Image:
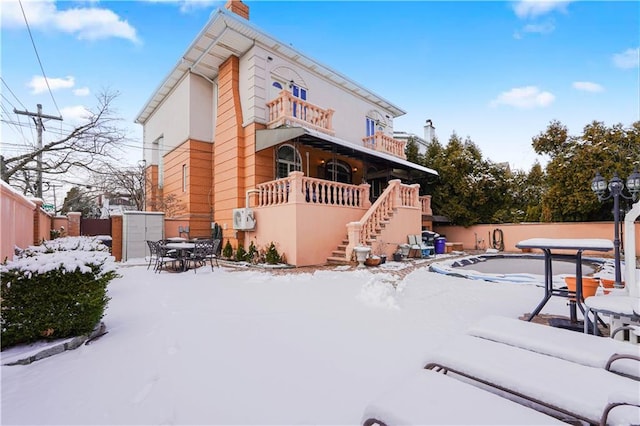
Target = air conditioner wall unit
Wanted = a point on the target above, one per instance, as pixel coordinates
(243, 219)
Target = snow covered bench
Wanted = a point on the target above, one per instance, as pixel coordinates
(427, 397)
(617, 356)
(564, 387)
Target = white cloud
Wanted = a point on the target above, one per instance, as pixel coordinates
(534, 8)
(587, 86)
(630, 58)
(524, 97)
(81, 91)
(38, 84)
(87, 23)
(75, 114)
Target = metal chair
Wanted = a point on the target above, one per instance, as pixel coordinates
(164, 257)
(153, 252)
(204, 250)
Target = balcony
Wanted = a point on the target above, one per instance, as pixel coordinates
(383, 143)
(287, 110)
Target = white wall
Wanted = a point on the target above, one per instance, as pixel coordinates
(201, 109)
(255, 85)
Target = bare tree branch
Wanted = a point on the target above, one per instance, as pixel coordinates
(88, 147)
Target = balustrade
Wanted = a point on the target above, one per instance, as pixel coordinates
(287, 109)
(383, 143)
(300, 189)
(395, 195)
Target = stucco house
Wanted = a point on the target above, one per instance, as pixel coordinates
(248, 132)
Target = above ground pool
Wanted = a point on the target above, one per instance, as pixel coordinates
(513, 268)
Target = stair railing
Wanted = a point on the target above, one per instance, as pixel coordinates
(359, 233)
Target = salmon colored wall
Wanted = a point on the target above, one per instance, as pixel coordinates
(513, 233)
(305, 233)
(42, 222)
(16, 221)
(405, 222)
(229, 149)
(59, 222)
(172, 182)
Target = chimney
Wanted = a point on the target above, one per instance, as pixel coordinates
(429, 131)
(237, 7)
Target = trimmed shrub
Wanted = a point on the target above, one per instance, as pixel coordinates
(272, 256)
(227, 251)
(55, 290)
(252, 253)
(241, 254)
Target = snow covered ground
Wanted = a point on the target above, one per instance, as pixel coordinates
(253, 347)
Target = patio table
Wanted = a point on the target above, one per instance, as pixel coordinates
(176, 239)
(577, 246)
(183, 250)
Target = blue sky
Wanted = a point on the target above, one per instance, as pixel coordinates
(497, 72)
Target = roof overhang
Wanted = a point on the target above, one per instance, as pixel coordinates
(228, 34)
(271, 137)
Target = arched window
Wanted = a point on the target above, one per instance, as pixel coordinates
(338, 171)
(287, 160)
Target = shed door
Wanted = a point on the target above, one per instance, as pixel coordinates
(136, 236)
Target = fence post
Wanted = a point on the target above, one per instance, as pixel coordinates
(116, 237)
(74, 224)
(36, 221)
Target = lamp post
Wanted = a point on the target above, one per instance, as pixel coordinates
(616, 190)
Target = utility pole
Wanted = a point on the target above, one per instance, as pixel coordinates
(37, 118)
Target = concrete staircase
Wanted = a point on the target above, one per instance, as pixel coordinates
(339, 256)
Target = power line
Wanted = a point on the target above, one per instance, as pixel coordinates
(38, 56)
(11, 91)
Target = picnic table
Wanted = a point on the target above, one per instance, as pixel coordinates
(575, 246)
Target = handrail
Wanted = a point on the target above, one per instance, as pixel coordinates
(298, 188)
(287, 109)
(395, 195)
(378, 212)
(384, 143)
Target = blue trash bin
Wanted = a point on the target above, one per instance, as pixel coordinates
(440, 245)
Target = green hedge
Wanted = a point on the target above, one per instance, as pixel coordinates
(54, 291)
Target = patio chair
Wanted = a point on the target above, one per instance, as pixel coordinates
(613, 355)
(557, 386)
(415, 246)
(165, 257)
(204, 250)
(153, 252)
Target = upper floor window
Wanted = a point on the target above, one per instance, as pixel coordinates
(288, 160)
(371, 127)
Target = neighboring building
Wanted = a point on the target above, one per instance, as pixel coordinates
(245, 120)
(429, 135)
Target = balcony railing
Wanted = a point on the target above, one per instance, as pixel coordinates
(297, 188)
(425, 200)
(286, 110)
(383, 143)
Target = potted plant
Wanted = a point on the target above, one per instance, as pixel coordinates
(373, 260)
